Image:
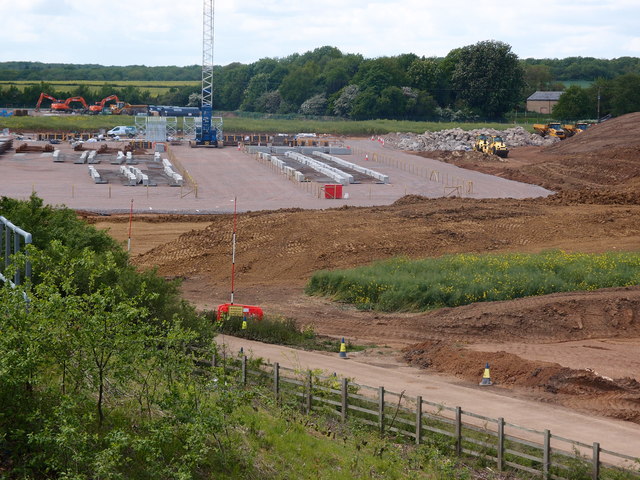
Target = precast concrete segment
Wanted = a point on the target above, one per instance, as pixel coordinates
(224, 173)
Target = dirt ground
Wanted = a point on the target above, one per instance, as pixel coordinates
(576, 349)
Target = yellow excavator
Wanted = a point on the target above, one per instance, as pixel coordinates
(552, 129)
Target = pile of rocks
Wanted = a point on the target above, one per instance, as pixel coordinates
(458, 139)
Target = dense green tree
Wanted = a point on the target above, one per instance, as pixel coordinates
(258, 85)
(574, 104)
(488, 78)
(231, 85)
(300, 84)
(626, 94)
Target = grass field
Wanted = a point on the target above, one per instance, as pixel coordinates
(232, 124)
(401, 284)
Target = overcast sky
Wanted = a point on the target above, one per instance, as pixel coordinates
(169, 32)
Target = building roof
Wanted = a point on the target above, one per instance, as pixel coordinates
(552, 96)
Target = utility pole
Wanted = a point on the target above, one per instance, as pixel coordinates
(598, 105)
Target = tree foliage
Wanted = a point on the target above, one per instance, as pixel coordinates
(97, 381)
(488, 78)
(485, 80)
(575, 103)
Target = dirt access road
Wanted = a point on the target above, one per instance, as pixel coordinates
(564, 349)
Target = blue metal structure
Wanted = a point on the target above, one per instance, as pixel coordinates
(208, 133)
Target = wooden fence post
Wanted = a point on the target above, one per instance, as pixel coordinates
(418, 419)
(595, 475)
(381, 409)
(276, 381)
(344, 400)
(546, 455)
(244, 370)
(500, 448)
(458, 430)
(309, 391)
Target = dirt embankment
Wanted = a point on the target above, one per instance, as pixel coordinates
(597, 209)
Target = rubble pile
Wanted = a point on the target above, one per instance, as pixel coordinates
(458, 139)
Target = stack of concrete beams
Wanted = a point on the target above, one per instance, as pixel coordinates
(275, 150)
(366, 171)
(290, 172)
(6, 143)
(333, 173)
(95, 175)
(129, 175)
(83, 157)
(176, 178)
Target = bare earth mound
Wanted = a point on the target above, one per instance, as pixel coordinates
(596, 210)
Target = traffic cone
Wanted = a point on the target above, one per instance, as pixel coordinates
(343, 349)
(486, 376)
(366, 158)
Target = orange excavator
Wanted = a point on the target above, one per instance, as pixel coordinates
(59, 105)
(54, 101)
(68, 101)
(99, 106)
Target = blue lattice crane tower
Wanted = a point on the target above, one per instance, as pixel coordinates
(210, 132)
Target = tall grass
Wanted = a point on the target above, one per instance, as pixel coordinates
(245, 125)
(401, 284)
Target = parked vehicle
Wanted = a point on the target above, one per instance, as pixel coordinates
(123, 131)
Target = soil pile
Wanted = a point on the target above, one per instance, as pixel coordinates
(545, 381)
(602, 159)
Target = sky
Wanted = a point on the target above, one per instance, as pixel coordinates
(169, 32)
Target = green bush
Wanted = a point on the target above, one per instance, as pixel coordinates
(401, 284)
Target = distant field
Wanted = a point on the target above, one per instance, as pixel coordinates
(154, 87)
(579, 83)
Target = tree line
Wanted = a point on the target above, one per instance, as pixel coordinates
(476, 82)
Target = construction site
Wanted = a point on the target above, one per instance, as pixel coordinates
(304, 203)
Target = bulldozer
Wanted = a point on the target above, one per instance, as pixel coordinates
(571, 129)
(552, 129)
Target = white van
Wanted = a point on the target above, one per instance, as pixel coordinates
(123, 131)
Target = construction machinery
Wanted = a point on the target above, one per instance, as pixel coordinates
(552, 129)
(124, 108)
(578, 127)
(61, 106)
(481, 142)
(54, 101)
(98, 107)
(496, 146)
(210, 129)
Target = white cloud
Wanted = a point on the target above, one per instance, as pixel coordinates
(163, 32)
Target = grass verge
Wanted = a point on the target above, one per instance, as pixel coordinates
(88, 123)
(402, 284)
(281, 331)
